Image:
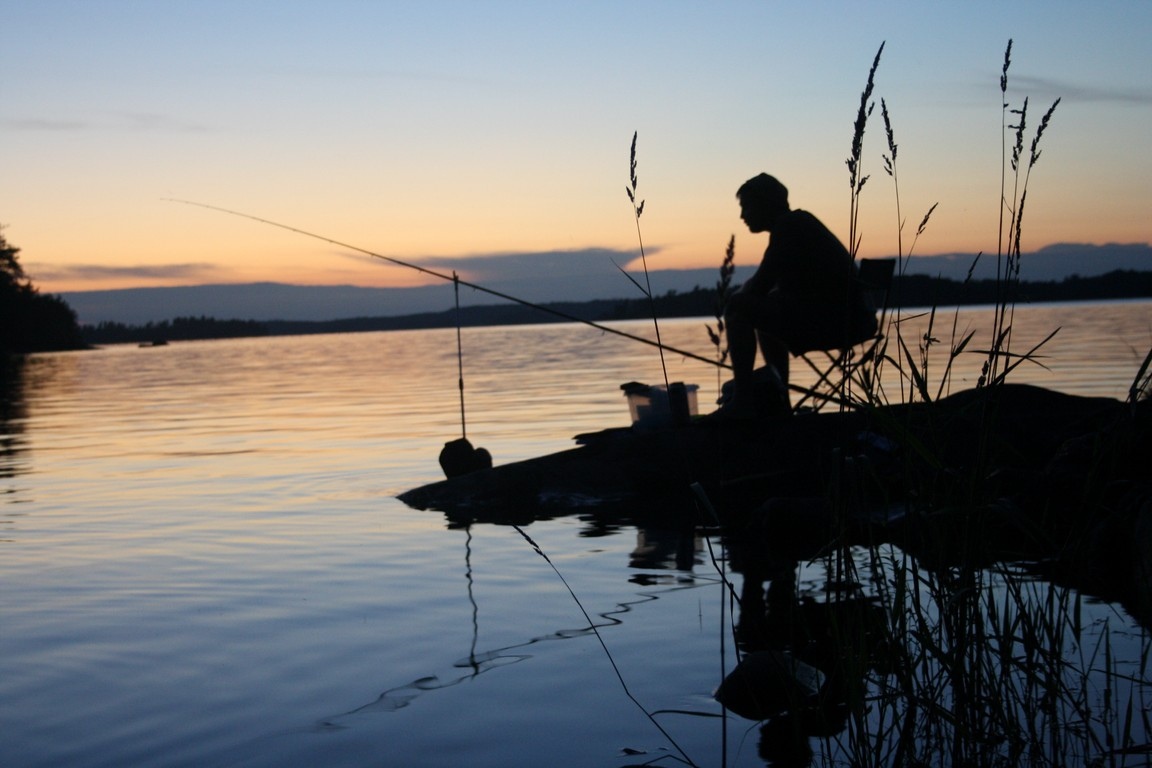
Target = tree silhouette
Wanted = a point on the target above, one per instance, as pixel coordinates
(30, 321)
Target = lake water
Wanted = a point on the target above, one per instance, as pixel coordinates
(202, 562)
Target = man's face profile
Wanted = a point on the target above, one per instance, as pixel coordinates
(755, 214)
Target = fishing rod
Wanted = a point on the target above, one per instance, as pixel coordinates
(453, 279)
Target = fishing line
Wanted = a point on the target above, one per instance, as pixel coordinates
(443, 276)
(603, 645)
(459, 457)
(460, 357)
(472, 599)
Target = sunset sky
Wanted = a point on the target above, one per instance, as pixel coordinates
(438, 131)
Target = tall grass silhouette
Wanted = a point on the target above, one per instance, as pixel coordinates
(983, 664)
(723, 292)
(980, 663)
(646, 289)
(1014, 179)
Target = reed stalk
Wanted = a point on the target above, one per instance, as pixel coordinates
(723, 292)
(919, 376)
(1015, 174)
(1141, 386)
(638, 210)
(856, 177)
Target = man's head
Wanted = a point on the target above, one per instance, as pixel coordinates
(763, 199)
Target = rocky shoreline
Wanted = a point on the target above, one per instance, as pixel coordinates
(1011, 473)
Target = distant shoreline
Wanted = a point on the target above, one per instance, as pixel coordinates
(908, 291)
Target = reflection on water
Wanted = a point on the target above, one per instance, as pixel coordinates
(13, 443)
(11, 404)
(208, 566)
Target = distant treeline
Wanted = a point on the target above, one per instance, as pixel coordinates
(907, 291)
(924, 291)
(178, 329)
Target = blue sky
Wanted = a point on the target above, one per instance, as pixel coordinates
(453, 130)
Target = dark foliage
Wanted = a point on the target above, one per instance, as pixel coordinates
(31, 321)
(923, 291)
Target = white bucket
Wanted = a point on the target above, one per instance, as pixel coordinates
(652, 408)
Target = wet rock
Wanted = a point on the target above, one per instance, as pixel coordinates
(768, 683)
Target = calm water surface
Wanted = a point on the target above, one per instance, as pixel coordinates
(202, 562)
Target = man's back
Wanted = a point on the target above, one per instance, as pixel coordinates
(808, 260)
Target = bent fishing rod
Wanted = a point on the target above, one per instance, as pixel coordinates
(452, 279)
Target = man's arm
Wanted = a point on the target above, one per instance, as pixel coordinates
(766, 275)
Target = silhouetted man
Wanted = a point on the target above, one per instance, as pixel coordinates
(804, 296)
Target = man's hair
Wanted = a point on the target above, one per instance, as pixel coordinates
(763, 189)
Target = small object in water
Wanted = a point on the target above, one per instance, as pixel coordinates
(767, 683)
(459, 458)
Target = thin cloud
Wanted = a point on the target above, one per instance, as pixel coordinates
(1050, 89)
(543, 264)
(1043, 90)
(149, 122)
(344, 75)
(156, 122)
(46, 125)
(62, 272)
(534, 265)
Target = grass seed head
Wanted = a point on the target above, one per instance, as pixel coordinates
(1004, 70)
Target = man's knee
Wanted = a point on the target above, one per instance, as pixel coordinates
(758, 310)
(739, 309)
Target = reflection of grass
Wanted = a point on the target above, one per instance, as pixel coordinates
(982, 668)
